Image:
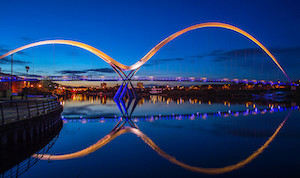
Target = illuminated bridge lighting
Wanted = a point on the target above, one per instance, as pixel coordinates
(148, 56)
(136, 78)
(197, 115)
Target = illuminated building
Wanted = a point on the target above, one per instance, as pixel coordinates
(140, 85)
(103, 85)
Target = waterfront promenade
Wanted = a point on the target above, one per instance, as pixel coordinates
(16, 110)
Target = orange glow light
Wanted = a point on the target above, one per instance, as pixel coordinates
(148, 56)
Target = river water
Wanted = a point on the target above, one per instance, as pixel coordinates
(173, 138)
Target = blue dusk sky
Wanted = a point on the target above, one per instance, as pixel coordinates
(127, 30)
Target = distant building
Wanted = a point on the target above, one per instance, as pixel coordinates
(155, 91)
(5, 84)
(103, 85)
(140, 85)
(17, 83)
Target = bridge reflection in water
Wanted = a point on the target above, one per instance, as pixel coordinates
(126, 125)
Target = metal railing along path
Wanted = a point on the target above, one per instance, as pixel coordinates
(15, 110)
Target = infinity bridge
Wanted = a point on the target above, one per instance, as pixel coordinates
(120, 68)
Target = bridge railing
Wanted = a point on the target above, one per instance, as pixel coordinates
(15, 110)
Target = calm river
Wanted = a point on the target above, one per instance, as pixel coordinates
(173, 138)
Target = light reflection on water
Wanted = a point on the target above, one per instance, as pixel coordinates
(120, 130)
(213, 141)
(81, 105)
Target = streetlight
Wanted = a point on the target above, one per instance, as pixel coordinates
(11, 75)
(27, 68)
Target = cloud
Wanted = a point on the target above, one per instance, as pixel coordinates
(15, 61)
(197, 56)
(42, 71)
(4, 49)
(281, 53)
(75, 72)
(31, 75)
(248, 60)
(72, 53)
(26, 39)
(170, 59)
(71, 72)
(25, 74)
(217, 52)
(160, 61)
(102, 70)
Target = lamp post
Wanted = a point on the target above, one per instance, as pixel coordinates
(27, 82)
(27, 68)
(11, 75)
